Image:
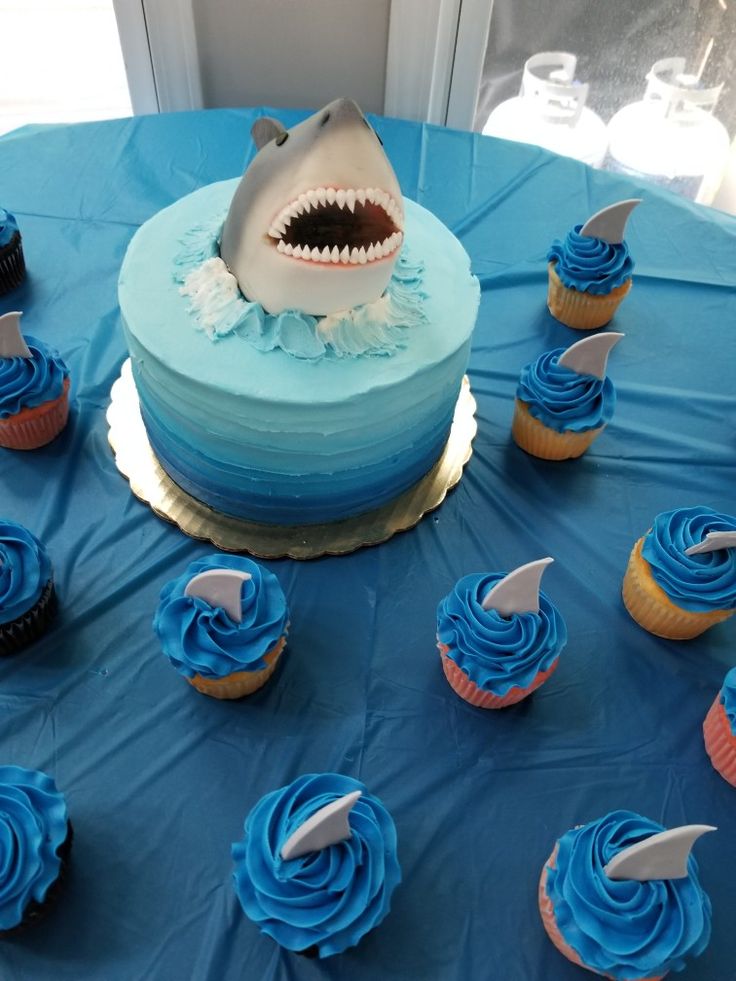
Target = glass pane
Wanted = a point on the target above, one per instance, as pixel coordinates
(671, 125)
(61, 62)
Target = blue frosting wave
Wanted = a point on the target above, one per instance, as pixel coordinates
(332, 897)
(563, 399)
(623, 928)
(589, 264)
(33, 824)
(8, 227)
(25, 570)
(497, 652)
(28, 382)
(728, 698)
(698, 583)
(204, 640)
(219, 308)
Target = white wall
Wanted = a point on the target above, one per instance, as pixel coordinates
(300, 53)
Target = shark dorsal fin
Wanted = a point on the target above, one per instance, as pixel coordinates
(609, 224)
(518, 592)
(590, 356)
(12, 344)
(325, 827)
(265, 129)
(220, 587)
(661, 856)
(712, 542)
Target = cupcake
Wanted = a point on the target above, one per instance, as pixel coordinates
(634, 923)
(678, 582)
(12, 263)
(35, 840)
(564, 399)
(317, 865)
(34, 389)
(719, 730)
(223, 625)
(27, 598)
(590, 271)
(499, 636)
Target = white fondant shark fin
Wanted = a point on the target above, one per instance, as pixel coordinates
(590, 356)
(12, 344)
(609, 224)
(712, 542)
(662, 856)
(325, 827)
(220, 587)
(265, 129)
(518, 592)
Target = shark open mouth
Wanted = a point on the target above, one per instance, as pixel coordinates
(340, 226)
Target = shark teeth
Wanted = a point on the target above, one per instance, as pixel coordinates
(344, 198)
(346, 257)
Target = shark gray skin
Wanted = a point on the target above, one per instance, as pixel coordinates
(316, 223)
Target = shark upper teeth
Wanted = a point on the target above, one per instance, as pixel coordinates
(343, 197)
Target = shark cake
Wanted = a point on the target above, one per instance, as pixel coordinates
(299, 334)
(317, 221)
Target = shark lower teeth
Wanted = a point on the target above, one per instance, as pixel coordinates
(346, 256)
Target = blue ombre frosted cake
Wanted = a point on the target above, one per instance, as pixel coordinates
(299, 337)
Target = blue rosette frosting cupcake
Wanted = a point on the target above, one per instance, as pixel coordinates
(564, 399)
(35, 840)
(678, 583)
(12, 261)
(321, 901)
(494, 656)
(27, 597)
(621, 927)
(590, 270)
(225, 644)
(34, 388)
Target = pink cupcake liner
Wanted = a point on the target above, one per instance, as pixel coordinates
(720, 742)
(465, 688)
(35, 427)
(547, 912)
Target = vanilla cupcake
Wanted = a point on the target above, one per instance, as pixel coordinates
(623, 915)
(499, 636)
(12, 262)
(719, 730)
(564, 399)
(27, 597)
(223, 625)
(681, 576)
(35, 841)
(317, 864)
(34, 389)
(590, 271)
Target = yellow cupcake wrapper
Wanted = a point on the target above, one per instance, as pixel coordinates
(239, 683)
(581, 310)
(653, 610)
(543, 441)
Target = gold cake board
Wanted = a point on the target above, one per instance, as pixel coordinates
(137, 462)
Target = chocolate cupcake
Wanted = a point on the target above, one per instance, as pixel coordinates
(27, 597)
(12, 262)
(35, 841)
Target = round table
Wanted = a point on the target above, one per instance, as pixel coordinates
(159, 778)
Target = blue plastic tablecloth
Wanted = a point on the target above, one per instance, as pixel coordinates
(159, 778)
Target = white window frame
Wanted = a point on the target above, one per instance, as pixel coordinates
(159, 48)
(436, 50)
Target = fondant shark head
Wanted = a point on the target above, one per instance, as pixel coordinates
(316, 223)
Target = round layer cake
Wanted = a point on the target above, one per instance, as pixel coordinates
(288, 418)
